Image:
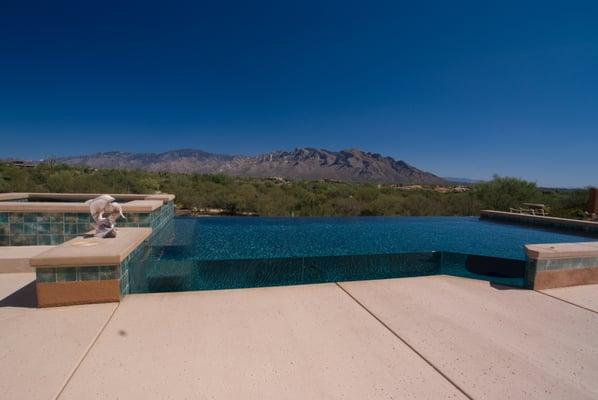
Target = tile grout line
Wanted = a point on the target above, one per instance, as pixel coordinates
(68, 380)
(405, 342)
(566, 301)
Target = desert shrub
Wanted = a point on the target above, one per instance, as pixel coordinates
(501, 193)
(285, 198)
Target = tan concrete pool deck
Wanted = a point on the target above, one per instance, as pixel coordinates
(431, 337)
(18, 258)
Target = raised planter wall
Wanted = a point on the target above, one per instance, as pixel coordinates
(564, 264)
(84, 271)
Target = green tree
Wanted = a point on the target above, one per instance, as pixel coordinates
(501, 193)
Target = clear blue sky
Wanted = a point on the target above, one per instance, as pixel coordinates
(462, 89)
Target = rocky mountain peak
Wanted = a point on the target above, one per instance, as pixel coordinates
(353, 165)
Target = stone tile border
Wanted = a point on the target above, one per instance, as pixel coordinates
(77, 274)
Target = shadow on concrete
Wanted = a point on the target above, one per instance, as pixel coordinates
(24, 297)
(498, 286)
(495, 267)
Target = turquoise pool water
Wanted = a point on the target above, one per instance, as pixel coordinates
(230, 252)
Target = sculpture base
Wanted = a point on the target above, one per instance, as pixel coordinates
(107, 234)
(105, 229)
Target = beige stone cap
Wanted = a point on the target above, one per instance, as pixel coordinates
(142, 205)
(93, 251)
(161, 196)
(50, 207)
(564, 221)
(561, 250)
(13, 196)
(85, 196)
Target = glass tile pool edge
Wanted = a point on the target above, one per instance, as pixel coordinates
(186, 275)
(229, 252)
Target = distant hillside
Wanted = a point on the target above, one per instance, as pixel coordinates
(303, 163)
(465, 181)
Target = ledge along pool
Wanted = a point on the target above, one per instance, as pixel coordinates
(238, 252)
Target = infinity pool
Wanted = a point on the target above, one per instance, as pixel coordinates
(231, 252)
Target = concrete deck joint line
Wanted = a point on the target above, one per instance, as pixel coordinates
(566, 301)
(68, 379)
(405, 342)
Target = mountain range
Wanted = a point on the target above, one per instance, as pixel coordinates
(350, 165)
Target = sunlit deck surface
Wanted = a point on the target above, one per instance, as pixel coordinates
(431, 337)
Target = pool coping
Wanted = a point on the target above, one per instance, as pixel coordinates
(83, 196)
(554, 222)
(561, 250)
(75, 202)
(93, 251)
(137, 206)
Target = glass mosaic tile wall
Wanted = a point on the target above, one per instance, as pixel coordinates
(161, 216)
(164, 270)
(125, 267)
(77, 274)
(31, 229)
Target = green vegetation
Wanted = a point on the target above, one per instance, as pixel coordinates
(299, 198)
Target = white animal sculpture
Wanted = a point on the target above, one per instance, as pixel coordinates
(105, 211)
